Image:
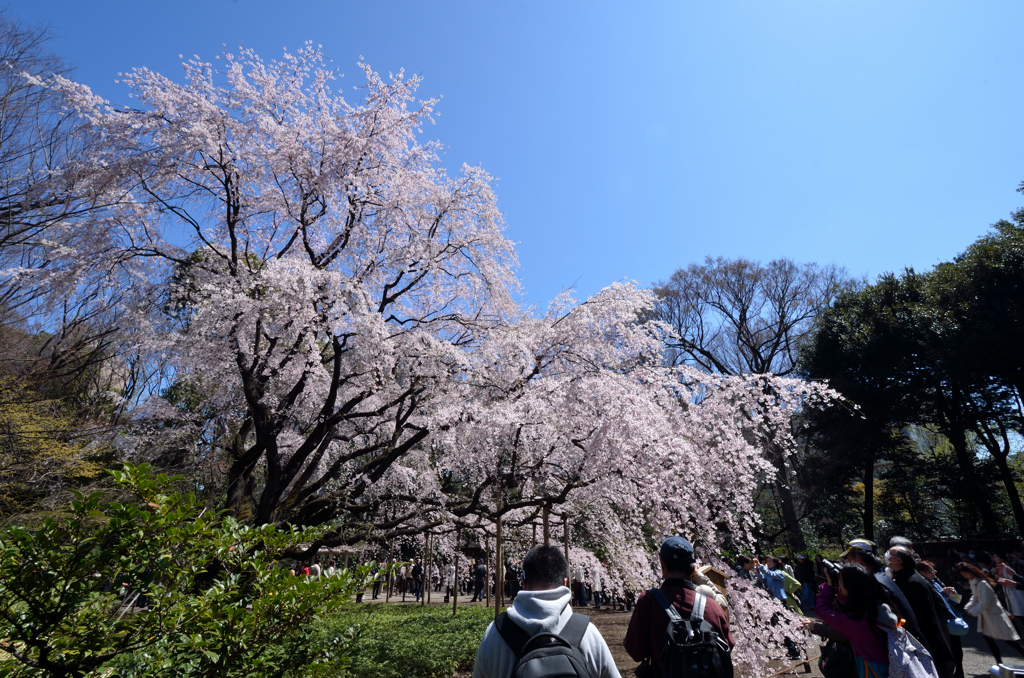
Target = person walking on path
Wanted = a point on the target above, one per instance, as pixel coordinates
(543, 606)
(449, 581)
(479, 576)
(993, 623)
(647, 631)
(417, 578)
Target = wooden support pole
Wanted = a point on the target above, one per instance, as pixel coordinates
(565, 538)
(534, 535)
(425, 576)
(391, 571)
(455, 581)
(547, 524)
(499, 572)
(486, 569)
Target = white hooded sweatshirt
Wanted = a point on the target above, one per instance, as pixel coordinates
(536, 612)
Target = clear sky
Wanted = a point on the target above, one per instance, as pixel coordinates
(631, 138)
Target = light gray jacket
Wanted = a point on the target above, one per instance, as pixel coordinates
(536, 612)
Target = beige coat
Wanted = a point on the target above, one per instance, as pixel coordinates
(708, 588)
(992, 618)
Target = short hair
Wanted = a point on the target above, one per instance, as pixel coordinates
(742, 560)
(925, 566)
(906, 558)
(545, 566)
(901, 541)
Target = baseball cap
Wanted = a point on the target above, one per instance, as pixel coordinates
(677, 551)
(861, 545)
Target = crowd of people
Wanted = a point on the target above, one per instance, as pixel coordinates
(863, 598)
(855, 605)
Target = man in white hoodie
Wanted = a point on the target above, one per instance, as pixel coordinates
(543, 606)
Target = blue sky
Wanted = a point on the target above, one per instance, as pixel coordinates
(632, 138)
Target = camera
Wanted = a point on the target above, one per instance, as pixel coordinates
(831, 571)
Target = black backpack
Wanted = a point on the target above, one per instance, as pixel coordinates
(546, 655)
(693, 649)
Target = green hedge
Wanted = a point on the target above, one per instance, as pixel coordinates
(396, 641)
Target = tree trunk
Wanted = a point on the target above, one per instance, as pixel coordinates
(1011, 491)
(789, 516)
(240, 491)
(869, 500)
(973, 492)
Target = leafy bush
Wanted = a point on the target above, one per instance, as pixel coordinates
(399, 641)
(217, 604)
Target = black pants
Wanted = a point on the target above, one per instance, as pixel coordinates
(994, 649)
(478, 589)
(958, 655)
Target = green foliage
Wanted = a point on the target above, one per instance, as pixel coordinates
(218, 605)
(937, 351)
(396, 641)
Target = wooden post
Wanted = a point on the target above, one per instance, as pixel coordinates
(431, 549)
(455, 581)
(499, 573)
(487, 571)
(547, 525)
(425, 577)
(534, 534)
(565, 538)
(391, 572)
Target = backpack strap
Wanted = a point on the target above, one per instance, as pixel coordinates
(669, 608)
(575, 629)
(699, 600)
(513, 635)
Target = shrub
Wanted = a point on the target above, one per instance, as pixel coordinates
(217, 605)
(398, 641)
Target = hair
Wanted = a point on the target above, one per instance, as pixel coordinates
(742, 560)
(925, 566)
(864, 593)
(905, 557)
(545, 567)
(975, 571)
(901, 541)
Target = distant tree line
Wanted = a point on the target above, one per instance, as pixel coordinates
(930, 365)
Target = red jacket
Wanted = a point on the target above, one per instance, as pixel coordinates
(646, 634)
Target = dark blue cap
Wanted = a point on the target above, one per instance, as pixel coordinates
(677, 551)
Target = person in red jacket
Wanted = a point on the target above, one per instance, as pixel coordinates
(645, 636)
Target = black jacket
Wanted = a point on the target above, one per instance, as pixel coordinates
(903, 608)
(804, 572)
(930, 612)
